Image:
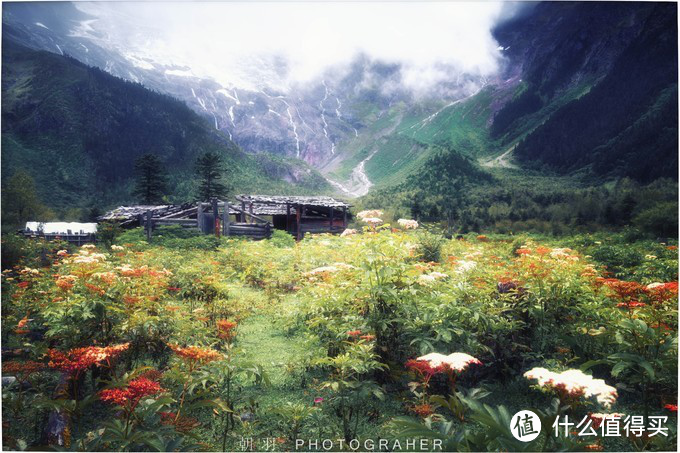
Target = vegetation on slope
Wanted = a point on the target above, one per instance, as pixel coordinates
(78, 131)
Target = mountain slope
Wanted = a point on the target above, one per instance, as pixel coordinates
(588, 89)
(630, 113)
(621, 59)
(78, 131)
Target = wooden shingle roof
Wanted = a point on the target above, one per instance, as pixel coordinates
(278, 200)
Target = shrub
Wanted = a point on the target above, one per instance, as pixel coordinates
(281, 239)
(429, 247)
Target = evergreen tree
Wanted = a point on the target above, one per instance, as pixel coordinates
(209, 169)
(152, 182)
(20, 202)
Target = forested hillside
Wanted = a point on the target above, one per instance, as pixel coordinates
(78, 131)
(624, 59)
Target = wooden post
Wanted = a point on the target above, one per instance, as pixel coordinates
(330, 224)
(344, 216)
(288, 217)
(199, 217)
(226, 221)
(297, 215)
(216, 217)
(243, 211)
(149, 225)
(251, 220)
(268, 230)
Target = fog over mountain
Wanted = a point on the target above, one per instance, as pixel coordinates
(280, 45)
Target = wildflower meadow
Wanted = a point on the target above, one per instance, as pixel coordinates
(387, 332)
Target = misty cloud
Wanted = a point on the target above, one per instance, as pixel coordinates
(280, 44)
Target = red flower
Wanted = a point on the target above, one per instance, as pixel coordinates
(23, 285)
(631, 304)
(174, 288)
(424, 369)
(662, 293)
(623, 290)
(130, 396)
(671, 407)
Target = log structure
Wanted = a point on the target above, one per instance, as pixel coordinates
(254, 216)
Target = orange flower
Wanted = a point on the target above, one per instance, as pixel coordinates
(23, 322)
(225, 329)
(543, 250)
(368, 337)
(95, 289)
(423, 410)
(65, 282)
(194, 354)
(353, 333)
(130, 300)
(80, 359)
(22, 369)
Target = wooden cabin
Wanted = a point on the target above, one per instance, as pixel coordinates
(298, 214)
(253, 216)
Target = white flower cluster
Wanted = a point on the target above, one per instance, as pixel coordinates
(371, 213)
(371, 216)
(117, 248)
(465, 266)
(348, 232)
(431, 277)
(561, 252)
(335, 267)
(575, 382)
(408, 224)
(457, 361)
(28, 270)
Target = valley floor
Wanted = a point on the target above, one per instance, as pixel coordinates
(191, 342)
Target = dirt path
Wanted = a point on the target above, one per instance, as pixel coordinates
(502, 161)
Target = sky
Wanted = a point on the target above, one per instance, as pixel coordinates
(287, 43)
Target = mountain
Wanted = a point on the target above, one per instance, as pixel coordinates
(585, 89)
(78, 130)
(317, 122)
(623, 58)
(588, 89)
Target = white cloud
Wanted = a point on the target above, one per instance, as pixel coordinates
(283, 43)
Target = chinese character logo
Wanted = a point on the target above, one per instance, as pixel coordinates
(525, 426)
